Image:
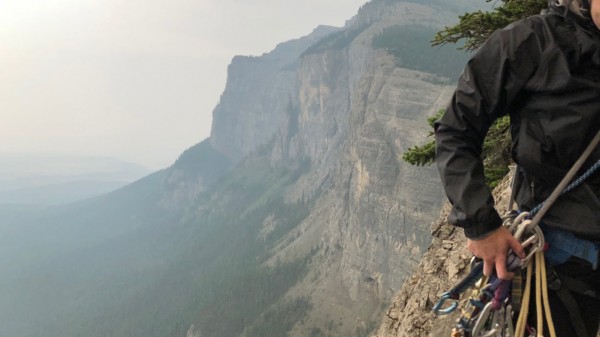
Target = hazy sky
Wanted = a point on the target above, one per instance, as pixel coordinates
(132, 79)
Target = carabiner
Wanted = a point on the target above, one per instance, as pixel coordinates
(437, 308)
(533, 244)
(514, 223)
(484, 317)
(454, 293)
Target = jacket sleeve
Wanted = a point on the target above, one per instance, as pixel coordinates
(491, 81)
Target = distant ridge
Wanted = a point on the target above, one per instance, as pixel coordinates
(54, 180)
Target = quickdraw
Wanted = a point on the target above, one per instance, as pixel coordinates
(454, 294)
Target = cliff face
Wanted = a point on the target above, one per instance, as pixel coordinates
(259, 93)
(258, 99)
(351, 111)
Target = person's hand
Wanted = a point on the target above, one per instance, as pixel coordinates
(493, 250)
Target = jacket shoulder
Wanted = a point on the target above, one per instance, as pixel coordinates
(537, 31)
(541, 24)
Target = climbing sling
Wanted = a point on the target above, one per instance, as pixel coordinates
(489, 311)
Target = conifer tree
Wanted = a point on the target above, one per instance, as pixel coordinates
(472, 30)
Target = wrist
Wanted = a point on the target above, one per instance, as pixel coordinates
(485, 229)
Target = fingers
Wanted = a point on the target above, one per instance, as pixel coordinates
(516, 247)
(494, 251)
(498, 265)
(501, 270)
(488, 267)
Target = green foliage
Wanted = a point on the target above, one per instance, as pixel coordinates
(454, 5)
(241, 300)
(474, 28)
(495, 154)
(420, 155)
(496, 151)
(238, 288)
(424, 154)
(410, 45)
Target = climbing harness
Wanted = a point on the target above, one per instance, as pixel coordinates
(564, 245)
(489, 312)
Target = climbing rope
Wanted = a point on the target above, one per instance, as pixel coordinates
(572, 186)
(562, 187)
(541, 298)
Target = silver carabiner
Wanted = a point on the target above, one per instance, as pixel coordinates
(513, 224)
(508, 321)
(534, 244)
(520, 227)
(487, 317)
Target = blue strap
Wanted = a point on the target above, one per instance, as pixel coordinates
(564, 245)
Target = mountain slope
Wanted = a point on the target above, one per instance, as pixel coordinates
(78, 269)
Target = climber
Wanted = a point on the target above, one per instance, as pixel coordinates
(544, 71)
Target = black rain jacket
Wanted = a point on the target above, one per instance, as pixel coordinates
(545, 72)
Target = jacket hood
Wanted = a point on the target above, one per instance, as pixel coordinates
(584, 21)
